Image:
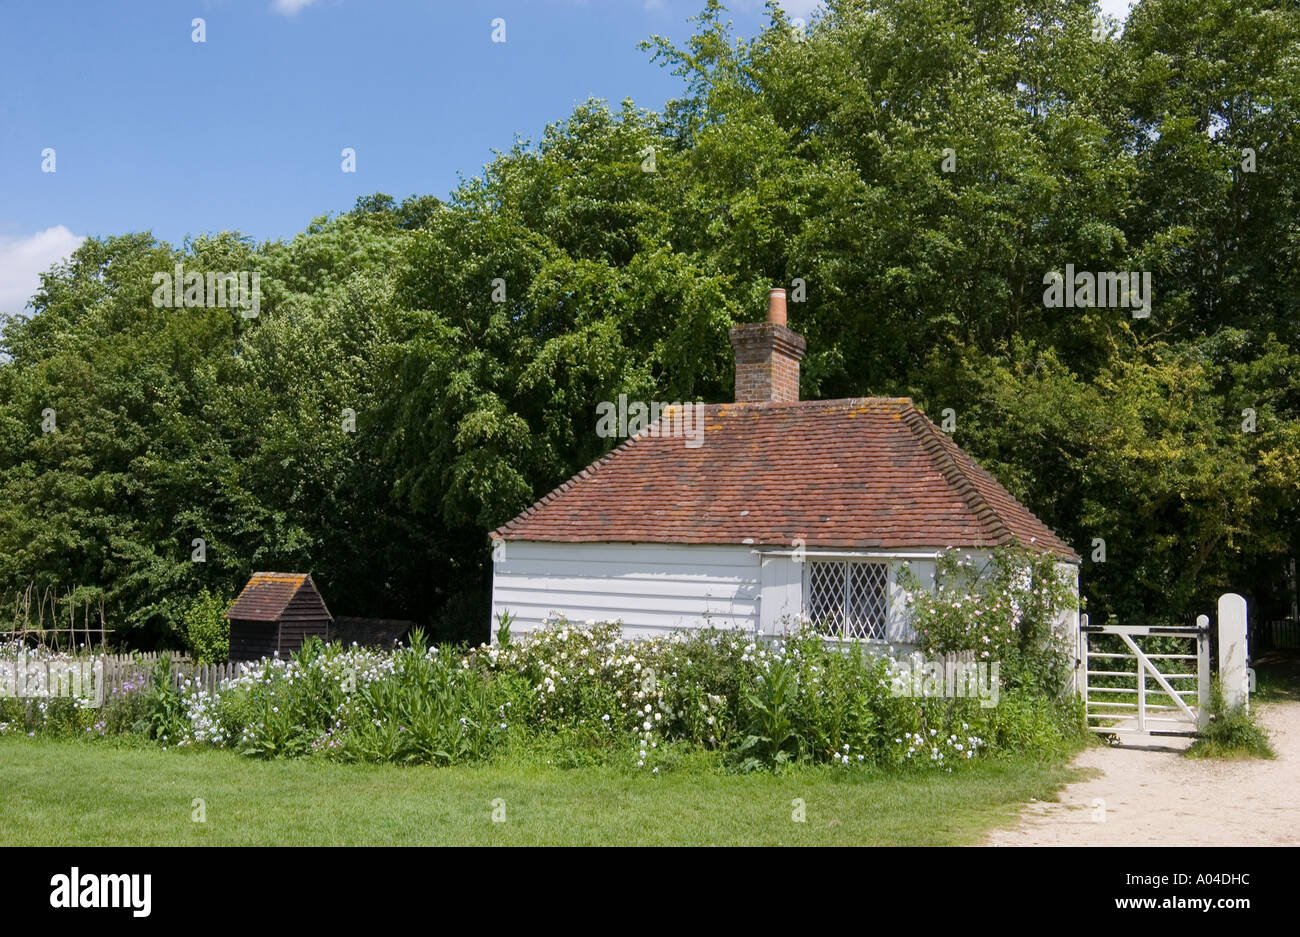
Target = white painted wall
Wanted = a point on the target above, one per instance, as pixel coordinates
(1068, 622)
(657, 588)
(781, 579)
(653, 588)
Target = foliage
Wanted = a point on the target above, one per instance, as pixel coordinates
(819, 155)
(770, 734)
(207, 630)
(166, 718)
(1007, 609)
(1233, 732)
(586, 695)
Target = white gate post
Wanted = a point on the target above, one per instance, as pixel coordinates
(1232, 649)
(1202, 671)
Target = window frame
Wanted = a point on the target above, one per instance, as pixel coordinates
(865, 632)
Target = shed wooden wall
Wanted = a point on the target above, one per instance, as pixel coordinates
(302, 618)
(253, 640)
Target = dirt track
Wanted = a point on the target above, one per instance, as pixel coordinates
(1155, 796)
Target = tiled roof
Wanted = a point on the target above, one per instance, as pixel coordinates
(267, 595)
(863, 473)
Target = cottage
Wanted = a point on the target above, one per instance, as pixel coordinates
(789, 508)
(276, 614)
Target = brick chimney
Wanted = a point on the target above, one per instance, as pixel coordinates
(767, 356)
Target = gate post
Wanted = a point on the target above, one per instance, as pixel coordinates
(1081, 660)
(1202, 671)
(1232, 649)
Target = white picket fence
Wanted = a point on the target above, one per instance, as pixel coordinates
(123, 672)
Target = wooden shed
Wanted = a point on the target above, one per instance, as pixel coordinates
(276, 613)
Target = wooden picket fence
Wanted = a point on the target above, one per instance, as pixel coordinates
(124, 672)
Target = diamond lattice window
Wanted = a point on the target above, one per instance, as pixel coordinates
(847, 600)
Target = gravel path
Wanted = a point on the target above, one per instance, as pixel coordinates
(1156, 797)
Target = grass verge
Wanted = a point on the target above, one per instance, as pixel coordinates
(72, 792)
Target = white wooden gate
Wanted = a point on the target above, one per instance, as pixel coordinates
(1161, 693)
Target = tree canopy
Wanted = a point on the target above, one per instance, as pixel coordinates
(920, 165)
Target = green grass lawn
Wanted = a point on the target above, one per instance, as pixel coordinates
(72, 792)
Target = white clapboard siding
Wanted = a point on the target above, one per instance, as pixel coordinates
(651, 588)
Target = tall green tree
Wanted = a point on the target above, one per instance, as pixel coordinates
(914, 168)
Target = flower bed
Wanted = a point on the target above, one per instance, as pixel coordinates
(587, 692)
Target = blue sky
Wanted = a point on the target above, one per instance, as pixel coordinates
(153, 131)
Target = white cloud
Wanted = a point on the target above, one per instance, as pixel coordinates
(290, 7)
(24, 259)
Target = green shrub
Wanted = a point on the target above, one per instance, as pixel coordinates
(1231, 732)
(428, 710)
(165, 716)
(282, 708)
(770, 736)
(207, 630)
(577, 695)
(1004, 609)
(125, 709)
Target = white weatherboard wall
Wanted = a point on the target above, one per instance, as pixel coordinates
(653, 588)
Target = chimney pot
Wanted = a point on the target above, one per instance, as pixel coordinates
(776, 306)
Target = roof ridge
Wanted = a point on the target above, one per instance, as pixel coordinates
(936, 443)
(830, 404)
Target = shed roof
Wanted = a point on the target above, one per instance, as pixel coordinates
(860, 473)
(266, 596)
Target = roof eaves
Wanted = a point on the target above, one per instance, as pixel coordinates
(942, 449)
(936, 443)
(506, 529)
